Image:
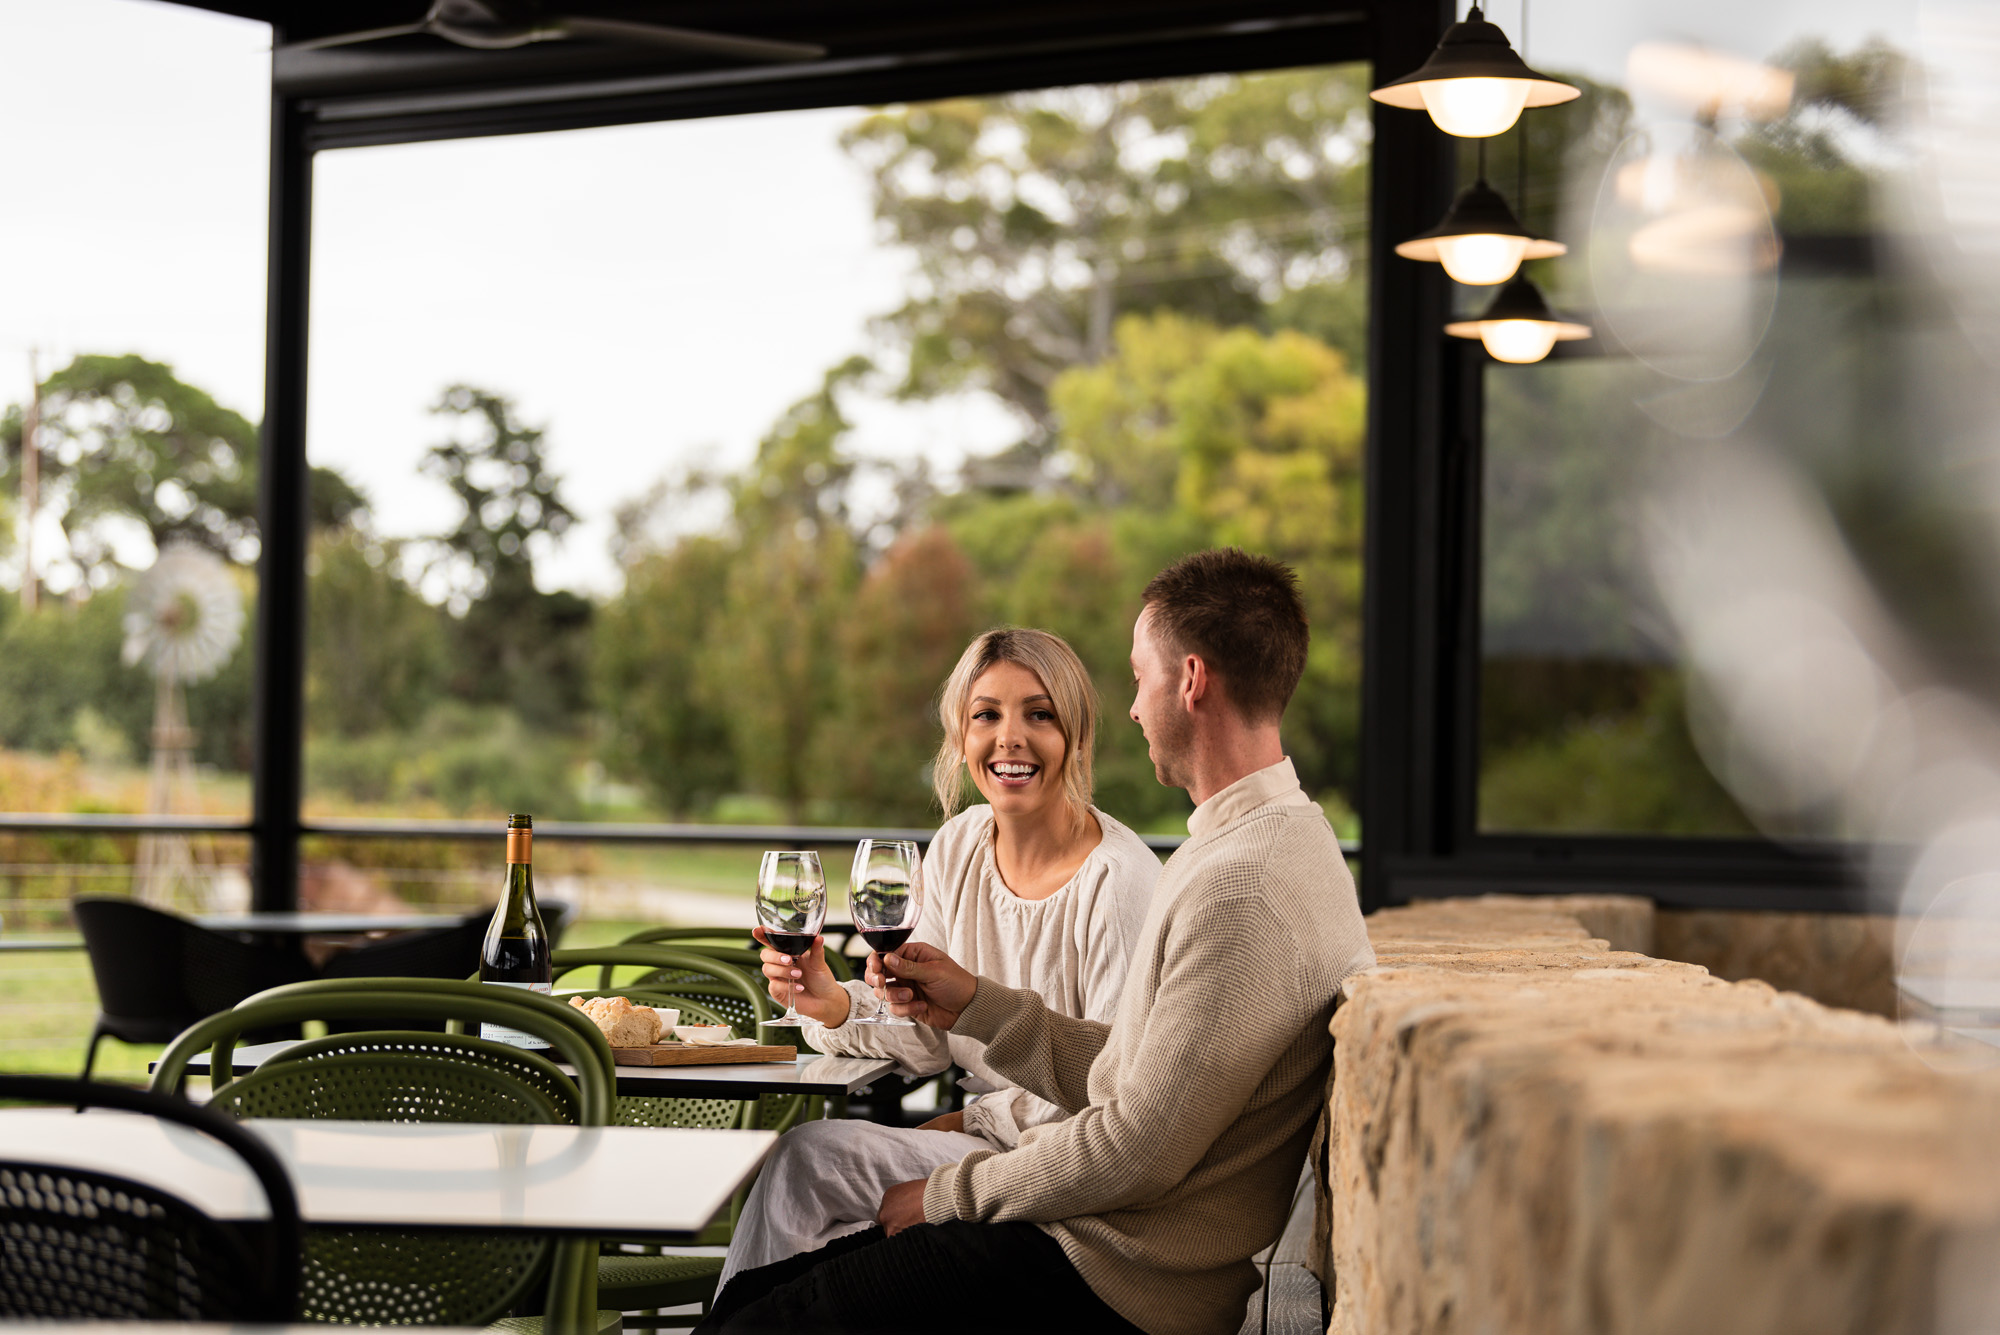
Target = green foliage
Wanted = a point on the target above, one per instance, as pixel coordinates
(1808, 154)
(512, 644)
(62, 683)
(124, 441)
(906, 626)
(1039, 219)
(658, 722)
(1616, 773)
(460, 760)
(375, 651)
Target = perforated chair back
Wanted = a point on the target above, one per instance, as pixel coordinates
(389, 1076)
(730, 945)
(379, 1277)
(81, 1244)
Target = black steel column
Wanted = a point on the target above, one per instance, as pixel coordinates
(283, 523)
(1406, 781)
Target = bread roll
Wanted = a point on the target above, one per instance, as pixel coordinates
(623, 1024)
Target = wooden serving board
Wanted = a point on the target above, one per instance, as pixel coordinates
(689, 1054)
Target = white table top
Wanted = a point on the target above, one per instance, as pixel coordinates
(654, 1182)
(831, 1076)
(306, 924)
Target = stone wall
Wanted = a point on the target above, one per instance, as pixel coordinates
(1837, 959)
(1532, 1132)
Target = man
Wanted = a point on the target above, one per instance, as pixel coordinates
(1193, 1108)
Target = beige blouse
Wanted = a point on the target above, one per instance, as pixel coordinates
(1070, 948)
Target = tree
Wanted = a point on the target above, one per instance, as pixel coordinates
(1040, 218)
(124, 441)
(1247, 440)
(512, 643)
(909, 621)
(660, 723)
(375, 650)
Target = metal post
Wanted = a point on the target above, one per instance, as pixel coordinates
(283, 523)
(1402, 788)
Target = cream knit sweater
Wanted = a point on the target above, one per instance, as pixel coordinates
(1070, 949)
(1193, 1108)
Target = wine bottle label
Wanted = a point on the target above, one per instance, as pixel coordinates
(501, 1033)
(518, 844)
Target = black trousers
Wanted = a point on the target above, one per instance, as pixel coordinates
(931, 1278)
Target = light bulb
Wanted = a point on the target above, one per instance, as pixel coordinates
(1481, 259)
(1518, 341)
(1474, 108)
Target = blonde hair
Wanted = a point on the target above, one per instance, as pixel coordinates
(1072, 697)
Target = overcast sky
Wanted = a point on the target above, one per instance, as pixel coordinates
(653, 295)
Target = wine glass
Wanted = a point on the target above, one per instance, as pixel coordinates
(885, 893)
(791, 906)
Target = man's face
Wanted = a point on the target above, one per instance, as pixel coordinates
(1156, 706)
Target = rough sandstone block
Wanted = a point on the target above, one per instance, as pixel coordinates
(1531, 1132)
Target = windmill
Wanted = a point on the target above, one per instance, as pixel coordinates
(183, 620)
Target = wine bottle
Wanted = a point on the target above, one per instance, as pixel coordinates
(516, 950)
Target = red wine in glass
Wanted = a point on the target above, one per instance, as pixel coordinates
(794, 944)
(885, 893)
(791, 906)
(882, 940)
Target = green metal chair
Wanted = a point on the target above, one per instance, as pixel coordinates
(701, 986)
(729, 944)
(376, 1277)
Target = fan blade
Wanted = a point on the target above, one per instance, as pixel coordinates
(353, 38)
(688, 39)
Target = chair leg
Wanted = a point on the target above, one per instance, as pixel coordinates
(90, 1050)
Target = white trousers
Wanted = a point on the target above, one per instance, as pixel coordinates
(826, 1179)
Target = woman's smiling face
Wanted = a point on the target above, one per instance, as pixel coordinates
(1013, 745)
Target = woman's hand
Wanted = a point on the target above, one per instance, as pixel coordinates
(930, 987)
(951, 1121)
(820, 995)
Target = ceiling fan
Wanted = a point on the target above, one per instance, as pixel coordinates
(501, 25)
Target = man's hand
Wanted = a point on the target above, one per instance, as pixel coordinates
(951, 1121)
(928, 985)
(820, 995)
(902, 1206)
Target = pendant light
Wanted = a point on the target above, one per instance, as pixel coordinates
(1518, 326)
(1479, 241)
(1473, 85)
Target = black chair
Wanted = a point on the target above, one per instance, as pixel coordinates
(444, 952)
(157, 973)
(81, 1244)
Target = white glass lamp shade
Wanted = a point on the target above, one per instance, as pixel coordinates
(1474, 108)
(1518, 341)
(1482, 259)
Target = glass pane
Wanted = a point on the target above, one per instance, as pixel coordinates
(131, 350)
(679, 462)
(1724, 186)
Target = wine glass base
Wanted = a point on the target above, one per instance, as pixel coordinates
(889, 1020)
(782, 1024)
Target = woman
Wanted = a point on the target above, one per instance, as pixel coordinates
(1036, 888)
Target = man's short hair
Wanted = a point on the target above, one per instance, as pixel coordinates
(1242, 615)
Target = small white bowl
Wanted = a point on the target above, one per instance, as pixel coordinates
(668, 1018)
(703, 1033)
